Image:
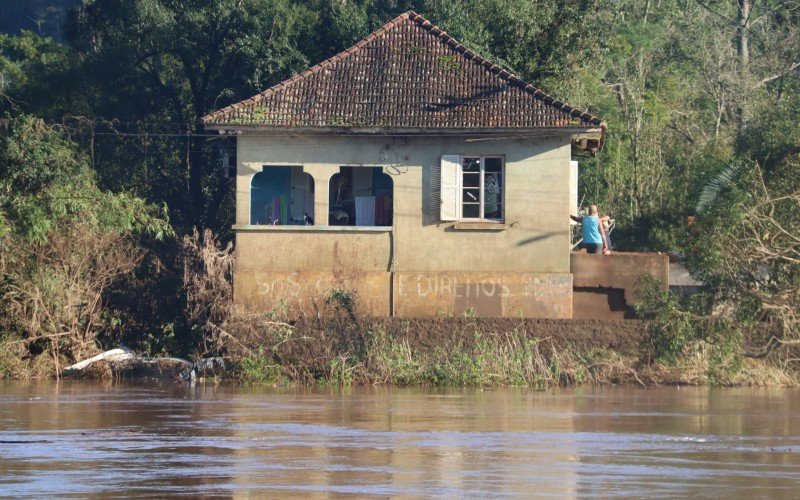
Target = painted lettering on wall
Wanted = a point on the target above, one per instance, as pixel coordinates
(443, 285)
(556, 285)
(286, 286)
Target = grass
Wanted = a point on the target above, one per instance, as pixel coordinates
(339, 352)
(338, 349)
(17, 363)
(343, 353)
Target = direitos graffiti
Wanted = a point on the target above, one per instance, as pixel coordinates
(483, 285)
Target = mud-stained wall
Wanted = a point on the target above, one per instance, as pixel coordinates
(538, 295)
(605, 285)
(600, 303)
(534, 241)
(286, 249)
(305, 291)
(618, 270)
(411, 294)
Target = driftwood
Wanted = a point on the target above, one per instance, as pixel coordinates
(113, 356)
(125, 363)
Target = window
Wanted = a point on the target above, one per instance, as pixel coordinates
(282, 195)
(481, 181)
(472, 188)
(360, 196)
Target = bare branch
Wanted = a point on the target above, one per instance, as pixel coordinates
(709, 9)
(779, 75)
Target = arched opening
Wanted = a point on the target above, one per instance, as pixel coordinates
(361, 196)
(282, 195)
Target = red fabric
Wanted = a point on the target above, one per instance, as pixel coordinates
(383, 209)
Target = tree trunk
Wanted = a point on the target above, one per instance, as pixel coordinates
(743, 35)
(743, 52)
(196, 175)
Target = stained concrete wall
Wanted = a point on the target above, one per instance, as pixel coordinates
(291, 267)
(600, 303)
(306, 291)
(527, 258)
(530, 295)
(294, 248)
(605, 285)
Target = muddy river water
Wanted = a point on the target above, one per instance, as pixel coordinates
(81, 439)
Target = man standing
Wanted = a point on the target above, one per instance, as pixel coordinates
(594, 235)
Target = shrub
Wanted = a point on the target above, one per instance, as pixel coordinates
(64, 242)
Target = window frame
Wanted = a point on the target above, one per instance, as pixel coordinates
(482, 189)
(376, 170)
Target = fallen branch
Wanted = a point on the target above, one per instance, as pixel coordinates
(773, 344)
(114, 355)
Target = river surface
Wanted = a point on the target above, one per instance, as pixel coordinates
(97, 439)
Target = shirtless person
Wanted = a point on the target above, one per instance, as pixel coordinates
(594, 235)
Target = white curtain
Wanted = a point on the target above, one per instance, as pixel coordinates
(365, 210)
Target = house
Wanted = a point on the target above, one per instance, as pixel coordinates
(437, 182)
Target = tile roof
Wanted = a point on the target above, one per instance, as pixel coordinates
(408, 74)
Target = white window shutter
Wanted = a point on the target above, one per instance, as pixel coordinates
(450, 192)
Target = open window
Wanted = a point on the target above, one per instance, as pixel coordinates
(360, 196)
(472, 188)
(282, 195)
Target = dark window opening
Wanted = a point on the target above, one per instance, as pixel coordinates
(282, 195)
(361, 196)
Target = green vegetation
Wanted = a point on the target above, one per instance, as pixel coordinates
(65, 242)
(321, 352)
(449, 62)
(472, 353)
(685, 333)
(102, 144)
(744, 244)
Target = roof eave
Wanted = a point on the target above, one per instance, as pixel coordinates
(492, 131)
(590, 142)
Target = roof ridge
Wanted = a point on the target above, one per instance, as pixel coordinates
(315, 68)
(496, 70)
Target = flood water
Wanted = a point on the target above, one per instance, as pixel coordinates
(83, 438)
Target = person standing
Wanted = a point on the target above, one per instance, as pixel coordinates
(594, 235)
(605, 223)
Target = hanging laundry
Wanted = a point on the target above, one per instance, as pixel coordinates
(284, 210)
(383, 209)
(365, 210)
(276, 210)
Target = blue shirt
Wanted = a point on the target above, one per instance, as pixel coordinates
(591, 229)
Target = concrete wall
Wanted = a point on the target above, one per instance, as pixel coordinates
(491, 294)
(527, 259)
(605, 285)
(600, 303)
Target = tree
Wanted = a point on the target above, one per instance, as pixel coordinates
(171, 62)
(32, 67)
(746, 249)
(64, 243)
(762, 28)
(745, 244)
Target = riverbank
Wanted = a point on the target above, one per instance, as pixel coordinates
(476, 352)
(444, 351)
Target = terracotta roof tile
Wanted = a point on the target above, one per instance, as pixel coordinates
(408, 74)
